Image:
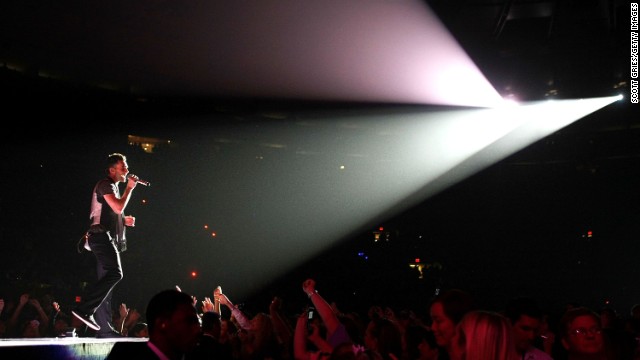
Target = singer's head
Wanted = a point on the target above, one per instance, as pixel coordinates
(117, 168)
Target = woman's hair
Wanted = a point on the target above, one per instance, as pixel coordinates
(485, 335)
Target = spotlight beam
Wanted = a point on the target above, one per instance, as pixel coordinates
(537, 120)
(335, 175)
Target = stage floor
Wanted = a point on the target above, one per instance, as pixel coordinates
(63, 348)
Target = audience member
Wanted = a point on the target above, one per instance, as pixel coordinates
(446, 311)
(483, 335)
(209, 346)
(456, 331)
(620, 342)
(174, 329)
(419, 343)
(281, 327)
(384, 338)
(547, 339)
(336, 331)
(581, 335)
(139, 330)
(260, 340)
(325, 331)
(25, 315)
(526, 317)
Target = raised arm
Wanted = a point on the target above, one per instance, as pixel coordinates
(329, 317)
(240, 317)
(280, 325)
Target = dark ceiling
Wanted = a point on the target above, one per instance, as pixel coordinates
(538, 48)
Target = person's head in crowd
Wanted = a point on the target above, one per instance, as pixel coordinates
(609, 318)
(383, 336)
(483, 335)
(354, 325)
(526, 319)
(227, 328)
(420, 343)
(581, 334)
(140, 330)
(173, 322)
(61, 324)
(211, 324)
(446, 311)
(30, 329)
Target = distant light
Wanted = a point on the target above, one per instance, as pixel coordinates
(213, 234)
(206, 226)
(144, 201)
(589, 233)
(341, 167)
(619, 97)
(194, 274)
(78, 299)
(381, 228)
(417, 260)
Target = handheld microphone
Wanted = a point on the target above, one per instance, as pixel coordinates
(140, 181)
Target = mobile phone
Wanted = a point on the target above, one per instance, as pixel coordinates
(311, 314)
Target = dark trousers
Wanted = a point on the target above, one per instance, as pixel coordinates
(97, 298)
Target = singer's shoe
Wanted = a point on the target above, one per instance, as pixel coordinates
(87, 319)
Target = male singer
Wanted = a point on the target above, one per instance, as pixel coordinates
(106, 240)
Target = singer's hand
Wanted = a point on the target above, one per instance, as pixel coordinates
(132, 181)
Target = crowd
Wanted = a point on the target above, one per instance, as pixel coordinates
(180, 326)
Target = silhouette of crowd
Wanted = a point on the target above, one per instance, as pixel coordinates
(181, 326)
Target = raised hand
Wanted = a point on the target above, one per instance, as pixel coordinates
(309, 286)
(207, 305)
(124, 311)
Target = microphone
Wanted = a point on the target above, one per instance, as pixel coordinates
(140, 181)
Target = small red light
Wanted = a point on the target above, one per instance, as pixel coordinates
(206, 226)
(381, 228)
(417, 260)
(194, 274)
(78, 299)
(213, 234)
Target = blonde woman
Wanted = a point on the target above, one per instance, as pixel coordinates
(483, 335)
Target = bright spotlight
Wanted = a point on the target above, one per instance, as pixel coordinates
(510, 103)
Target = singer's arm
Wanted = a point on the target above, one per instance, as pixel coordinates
(119, 204)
